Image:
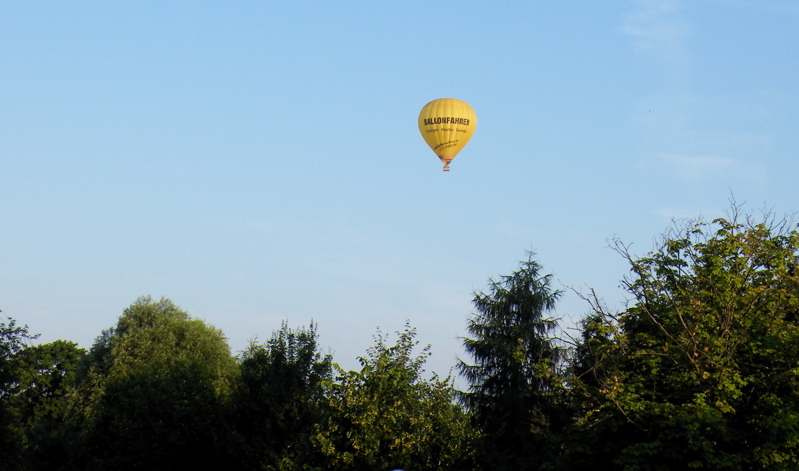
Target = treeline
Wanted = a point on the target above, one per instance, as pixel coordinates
(699, 371)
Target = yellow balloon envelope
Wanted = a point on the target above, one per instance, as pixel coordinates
(446, 125)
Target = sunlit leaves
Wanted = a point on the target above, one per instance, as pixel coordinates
(701, 369)
(155, 391)
(387, 416)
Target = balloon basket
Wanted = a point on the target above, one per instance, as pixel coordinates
(446, 168)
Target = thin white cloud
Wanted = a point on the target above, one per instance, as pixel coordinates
(703, 167)
(785, 7)
(656, 24)
(697, 167)
(659, 31)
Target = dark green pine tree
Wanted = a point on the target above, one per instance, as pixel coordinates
(513, 378)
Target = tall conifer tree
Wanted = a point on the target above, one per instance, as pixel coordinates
(512, 391)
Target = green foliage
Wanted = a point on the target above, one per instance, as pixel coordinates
(385, 416)
(514, 390)
(155, 392)
(13, 338)
(279, 400)
(701, 371)
(46, 373)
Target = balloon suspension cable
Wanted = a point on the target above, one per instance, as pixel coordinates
(445, 161)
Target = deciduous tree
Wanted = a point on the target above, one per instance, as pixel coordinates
(155, 393)
(280, 399)
(13, 338)
(386, 416)
(702, 370)
(46, 374)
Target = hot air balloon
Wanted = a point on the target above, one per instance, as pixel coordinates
(446, 125)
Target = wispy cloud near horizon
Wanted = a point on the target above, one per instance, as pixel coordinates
(688, 131)
(659, 31)
(696, 168)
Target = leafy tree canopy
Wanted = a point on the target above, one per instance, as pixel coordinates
(155, 391)
(280, 399)
(46, 374)
(13, 338)
(386, 416)
(702, 370)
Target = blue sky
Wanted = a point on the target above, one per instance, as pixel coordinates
(259, 161)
